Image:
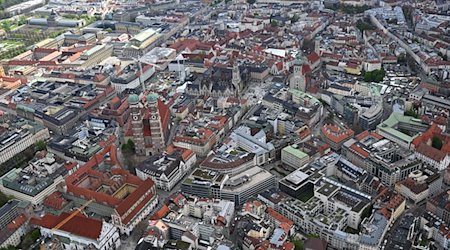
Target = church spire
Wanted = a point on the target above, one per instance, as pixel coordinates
(236, 80)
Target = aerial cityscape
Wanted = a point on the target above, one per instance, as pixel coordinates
(225, 124)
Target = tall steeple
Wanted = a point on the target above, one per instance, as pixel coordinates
(297, 80)
(136, 124)
(156, 131)
(236, 78)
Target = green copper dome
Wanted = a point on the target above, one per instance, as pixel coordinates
(133, 99)
(152, 97)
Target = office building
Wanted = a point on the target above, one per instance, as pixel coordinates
(401, 129)
(294, 157)
(20, 135)
(237, 187)
(36, 181)
(420, 185)
(166, 170)
(256, 144)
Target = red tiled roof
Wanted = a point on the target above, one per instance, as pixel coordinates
(161, 213)
(336, 134)
(278, 217)
(359, 150)
(430, 152)
(17, 222)
(414, 186)
(70, 165)
(55, 201)
(131, 199)
(138, 209)
(79, 225)
(306, 69)
(313, 57)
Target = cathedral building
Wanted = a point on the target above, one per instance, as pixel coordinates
(220, 82)
(148, 125)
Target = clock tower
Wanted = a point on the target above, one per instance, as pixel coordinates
(137, 124)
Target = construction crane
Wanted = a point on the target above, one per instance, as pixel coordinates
(73, 214)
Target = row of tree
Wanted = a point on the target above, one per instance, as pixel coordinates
(374, 76)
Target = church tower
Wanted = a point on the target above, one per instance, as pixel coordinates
(298, 80)
(236, 78)
(157, 134)
(137, 124)
(317, 41)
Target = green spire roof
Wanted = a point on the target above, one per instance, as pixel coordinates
(152, 97)
(133, 99)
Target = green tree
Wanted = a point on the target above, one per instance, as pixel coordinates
(129, 147)
(40, 145)
(109, 30)
(298, 244)
(312, 236)
(349, 9)
(374, 76)
(295, 18)
(9, 247)
(6, 25)
(30, 238)
(411, 112)
(436, 142)
(22, 20)
(3, 199)
(128, 152)
(274, 23)
(362, 26)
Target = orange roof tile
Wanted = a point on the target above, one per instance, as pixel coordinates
(313, 57)
(279, 217)
(79, 225)
(336, 134)
(17, 222)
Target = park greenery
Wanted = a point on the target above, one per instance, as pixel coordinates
(412, 113)
(374, 75)
(298, 244)
(363, 25)
(349, 9)
(40, 145)
(128, 147)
